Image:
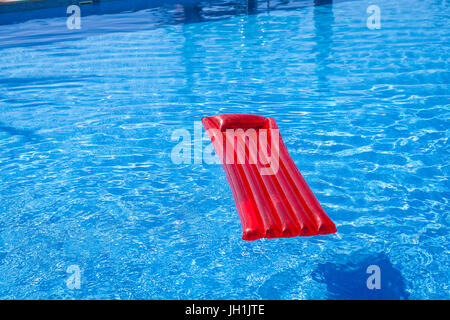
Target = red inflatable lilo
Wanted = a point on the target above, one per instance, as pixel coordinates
(271, 196)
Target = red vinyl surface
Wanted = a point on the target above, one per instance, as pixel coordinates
(272, 198)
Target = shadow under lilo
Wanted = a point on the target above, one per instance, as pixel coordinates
(357, 280)
(29, 135)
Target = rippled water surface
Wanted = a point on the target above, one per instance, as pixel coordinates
(86, 177)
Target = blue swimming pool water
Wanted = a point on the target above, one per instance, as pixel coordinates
(86, 178)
